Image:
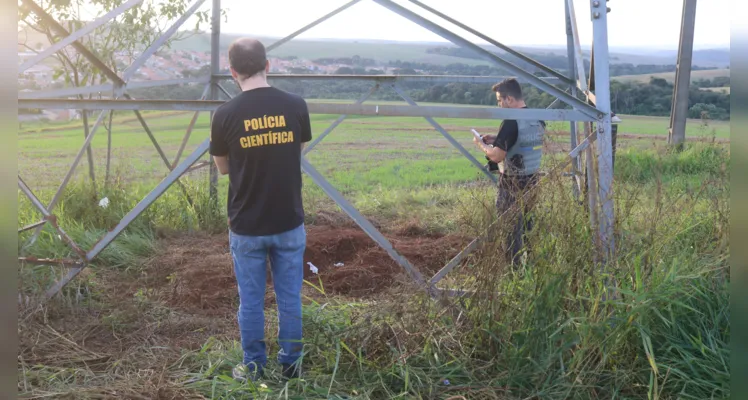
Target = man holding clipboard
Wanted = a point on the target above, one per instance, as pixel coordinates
(516, 152)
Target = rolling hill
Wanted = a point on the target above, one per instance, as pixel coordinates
(670, 76)
(385, 51)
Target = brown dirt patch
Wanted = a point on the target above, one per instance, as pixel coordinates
(196, 272)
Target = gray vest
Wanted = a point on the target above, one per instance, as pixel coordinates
(524, 157)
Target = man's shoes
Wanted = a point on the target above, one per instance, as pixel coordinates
(290, 371)
(243, 372)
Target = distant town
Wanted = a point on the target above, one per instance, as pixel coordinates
(170, 65)
(180, 64)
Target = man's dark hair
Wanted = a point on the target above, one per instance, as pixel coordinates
(247, 57)
(508, 87)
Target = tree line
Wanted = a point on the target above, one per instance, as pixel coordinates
(653, 98)
(554, 61)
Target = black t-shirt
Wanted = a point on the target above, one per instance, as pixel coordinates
(261, 132)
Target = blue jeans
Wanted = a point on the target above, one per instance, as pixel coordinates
(286, 255)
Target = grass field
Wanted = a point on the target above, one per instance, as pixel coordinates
(725, 89)
(670, 76)
(58, 143)
(154, 316)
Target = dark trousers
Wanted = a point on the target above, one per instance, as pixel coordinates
(516, 194)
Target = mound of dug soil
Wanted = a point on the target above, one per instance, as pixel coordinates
(196, 271)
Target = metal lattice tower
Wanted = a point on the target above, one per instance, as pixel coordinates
(589, 100)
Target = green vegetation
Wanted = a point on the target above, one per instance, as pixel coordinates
(652, 97)
(57, 144)
(552, 333)
(670, 76)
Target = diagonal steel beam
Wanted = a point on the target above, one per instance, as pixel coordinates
(605, 138)
(579, 58)
(120, 83)
(337, 122)
(89, 152)
(456, 260)
(50, 21)
(311, 25)
(460, 41)
(361, 221)
(573, 125)
(446, 135)
(50, 218)
(107, 239)
(187, 134)
(506, 48)
(215, 68)
(78, 34)
(69, 175)
(151, 197)
(135, 66)
(32, 226)
(139, 62)
(223, 90)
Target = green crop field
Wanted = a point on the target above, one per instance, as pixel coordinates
(670, 76)
(58, 143)
(154, 316)
(724, 89)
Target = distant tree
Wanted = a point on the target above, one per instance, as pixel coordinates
(658, 82)
(706, 111)
(126, 34)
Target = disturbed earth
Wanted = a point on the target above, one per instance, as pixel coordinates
(195, 273)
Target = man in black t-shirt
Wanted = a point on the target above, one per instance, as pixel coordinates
(516, 151)
(257, 138)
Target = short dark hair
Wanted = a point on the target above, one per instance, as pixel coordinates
(247, 56)
(509, 87)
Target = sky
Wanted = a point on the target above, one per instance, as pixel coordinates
(631, 23)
